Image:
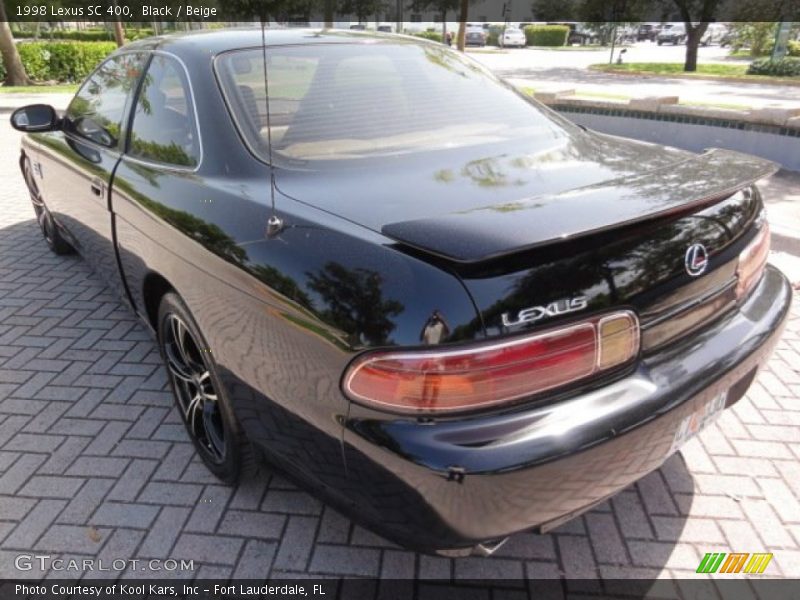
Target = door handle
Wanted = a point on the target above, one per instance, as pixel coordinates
(97, 187)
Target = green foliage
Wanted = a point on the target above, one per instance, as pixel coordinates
(546, 35)
(86, 35)
(35, 60)
(65, 62)
(788, 66)
(758, 36)
(794, 48)
(92, 35)
(553, 10)
(493, 35)
(434, 36)
(596, 13)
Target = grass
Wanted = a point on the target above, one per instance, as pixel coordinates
(64, 88)
(575, 48)
(728, 105)
(603, 95)
(704, 71)
(677, 69)
(624, 97)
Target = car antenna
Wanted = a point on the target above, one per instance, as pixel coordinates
(274, 223)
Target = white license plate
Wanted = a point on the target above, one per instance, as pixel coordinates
(698, 420)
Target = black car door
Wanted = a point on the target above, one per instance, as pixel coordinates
(78, 162)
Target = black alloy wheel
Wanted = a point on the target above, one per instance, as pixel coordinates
(50, 232)
(194, 389)
(199, 394)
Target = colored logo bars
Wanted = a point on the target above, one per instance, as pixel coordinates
(736, 562)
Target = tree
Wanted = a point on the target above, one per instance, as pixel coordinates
(441, 7)
(604, 16)
(119, 35)
(361, 8)
(552, 10)
(463, 15)
(15, 71)
(757, 35)
(696, 15)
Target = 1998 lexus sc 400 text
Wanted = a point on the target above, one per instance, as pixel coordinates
(452, 313)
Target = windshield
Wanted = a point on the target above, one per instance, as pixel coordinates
(342, 101)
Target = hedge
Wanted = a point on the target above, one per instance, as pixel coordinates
(794, 48)
(494, 33)
(435, 36)
(546, 35)
(65, 62)
(788, 66)
(90, 35)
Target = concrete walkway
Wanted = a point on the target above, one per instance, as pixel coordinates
(547, 71)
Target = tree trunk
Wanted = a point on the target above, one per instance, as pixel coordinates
(119, 35)
(328, 14)
(444, 26)
(15, 72)
(462, 25)
(693, 37)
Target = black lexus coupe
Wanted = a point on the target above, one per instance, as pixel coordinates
(452, 313)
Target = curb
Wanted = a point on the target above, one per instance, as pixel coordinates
(788, 81)
(782, 242)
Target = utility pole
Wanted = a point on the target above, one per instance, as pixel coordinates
(613, 44)
(781, 40)
(399, 16)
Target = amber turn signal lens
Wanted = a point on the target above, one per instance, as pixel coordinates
(752, 261)
(619, 339)
(494, 372)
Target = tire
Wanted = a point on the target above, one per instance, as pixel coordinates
(659, 42)
(47, 224)
(200, 396)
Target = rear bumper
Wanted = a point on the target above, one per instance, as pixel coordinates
(456, 483)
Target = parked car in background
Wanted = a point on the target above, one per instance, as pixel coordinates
(512, 37)
(577, 34)
(646, 32)
(626, 35)
(385, 28)
(714, 34)
(672, 33)
(475, 36)
(450, 312)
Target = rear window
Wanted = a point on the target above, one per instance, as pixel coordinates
(347, 101)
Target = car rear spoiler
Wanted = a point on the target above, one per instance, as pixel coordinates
(490, 232)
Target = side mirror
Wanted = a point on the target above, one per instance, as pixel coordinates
(35, 117)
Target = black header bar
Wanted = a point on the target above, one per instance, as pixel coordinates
(371, 12)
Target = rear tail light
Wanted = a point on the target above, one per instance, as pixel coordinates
(492, 373)
(752, 261)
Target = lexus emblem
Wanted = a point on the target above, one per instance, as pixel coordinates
(696, 260)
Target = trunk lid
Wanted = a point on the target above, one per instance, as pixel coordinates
(495, 230)
(577, 225)
(476, 203)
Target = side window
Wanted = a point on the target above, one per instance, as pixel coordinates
(164, 128)
(98, 108)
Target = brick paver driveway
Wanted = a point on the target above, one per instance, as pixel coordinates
(94, 461)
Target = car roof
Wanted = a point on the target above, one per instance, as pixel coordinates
(221, 40)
